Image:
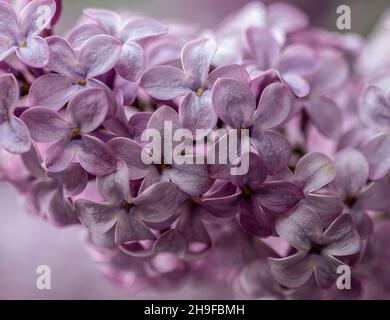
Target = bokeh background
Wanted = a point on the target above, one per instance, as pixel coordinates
(27, 242)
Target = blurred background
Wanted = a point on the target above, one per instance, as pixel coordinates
(27, 242)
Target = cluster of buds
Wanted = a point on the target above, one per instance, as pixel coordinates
(76, 111)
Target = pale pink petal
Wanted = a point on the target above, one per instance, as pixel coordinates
(45, 125)
(99, 55)
(36, 53)
(196, 58)
(131, 64)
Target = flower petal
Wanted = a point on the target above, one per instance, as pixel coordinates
(234, 71)
(297, 84)
(45, 125)
(326, 116)
(377, 152)
(164, 82)
(341, 239)
(255, 220)
(9, 21)
(83, 33)
(377, 196)
(160, 117)
(107, 19)
(7, 48)
(59, 155)
(158, 202)
(326, 206)
(293, 271)
(139, 28)
(33, 162)
(300, 228)
(131, 64)
(274, 149)
(115, 187)
(278, 196)
(63, 59)
(52, 91)
(9, 93)
(298, 59)
(74, 179)
(191, 178)
(171, 241)
(198, 239)
(131, 153)
(88, 109)
(196, 57)
(285, 17)
(14, 136)
(61, 211)
(257, 171)
(36, 53)
(97, 217)
(36, 16)
(264, 47)
(233, 102)
(314, 170)
(274, 107)
(99, 55)
(196, 112)
(130, 227)
(325, 270)
(352, 171)
(95, 156)
(374, 109)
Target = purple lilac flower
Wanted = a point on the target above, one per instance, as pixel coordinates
(291, 63)
(313, 172)
(189, 238)
(260, 202)
(85, 113)
(14, 135)
(190, 178)
(50, 194)
(317, 249)
(127, 214)
(75, 71)
(375, 113)
(235, 104)
(20, 34)
(193, 82)
(131, 63)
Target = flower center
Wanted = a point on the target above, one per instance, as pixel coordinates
(81, 82)
(191, 203)
(76, 132)
(350, 200)
(316, 249)
(162, 166)
(127, 206)
(23, 44)
(246, 192)
(199, 92)
(6, 117)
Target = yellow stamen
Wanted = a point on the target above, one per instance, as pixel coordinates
(23, 44)
(162, 166)
(126, 205)
(81, 82)
(6, 117)
(76, 132)
(199, 92)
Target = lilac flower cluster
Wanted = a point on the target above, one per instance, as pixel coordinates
(317, 194)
